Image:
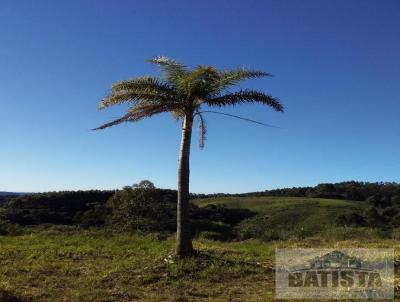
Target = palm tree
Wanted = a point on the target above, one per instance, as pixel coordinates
(185, 93)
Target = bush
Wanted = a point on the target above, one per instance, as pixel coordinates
(390, 212)
(351, 219)
(3, 221)
(142, 210)
(259, 227)
(224, 231)
(252, 228)
(11, 229)
(96, 216)
(373, 217)
(306, 231)
(210, 235)
(273, 235)
(395, 221)
(221, 213)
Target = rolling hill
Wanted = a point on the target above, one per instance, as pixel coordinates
(282, 217)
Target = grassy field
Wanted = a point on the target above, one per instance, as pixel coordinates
(99, 266)
(69, 264)
(318, 210)
(281, 218)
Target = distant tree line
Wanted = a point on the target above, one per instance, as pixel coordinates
(63, 207)
(379, 194)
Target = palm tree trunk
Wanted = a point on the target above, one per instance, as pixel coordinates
(183, 233)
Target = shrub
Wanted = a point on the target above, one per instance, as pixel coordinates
(221, 213)
(306, 231)
(258, 227)
(373, 217)
(3, 222)
(142, 210)
(95, 216)
(252, 228)
(210, 235)
(395, 221)
(224, 231)
(272, 235)
(351, 219)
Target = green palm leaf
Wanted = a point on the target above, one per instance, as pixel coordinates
(245, 96)
(144, 89)
(234, 76)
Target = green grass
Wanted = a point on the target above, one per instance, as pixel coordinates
(100, 266)
(270, 205)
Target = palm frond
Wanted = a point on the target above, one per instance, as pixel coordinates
(234, 76)
(145, 83)
(245, 96)
(172, 70)
(147, 89)
(138, 113)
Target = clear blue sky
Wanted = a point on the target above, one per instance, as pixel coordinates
(336, 66)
